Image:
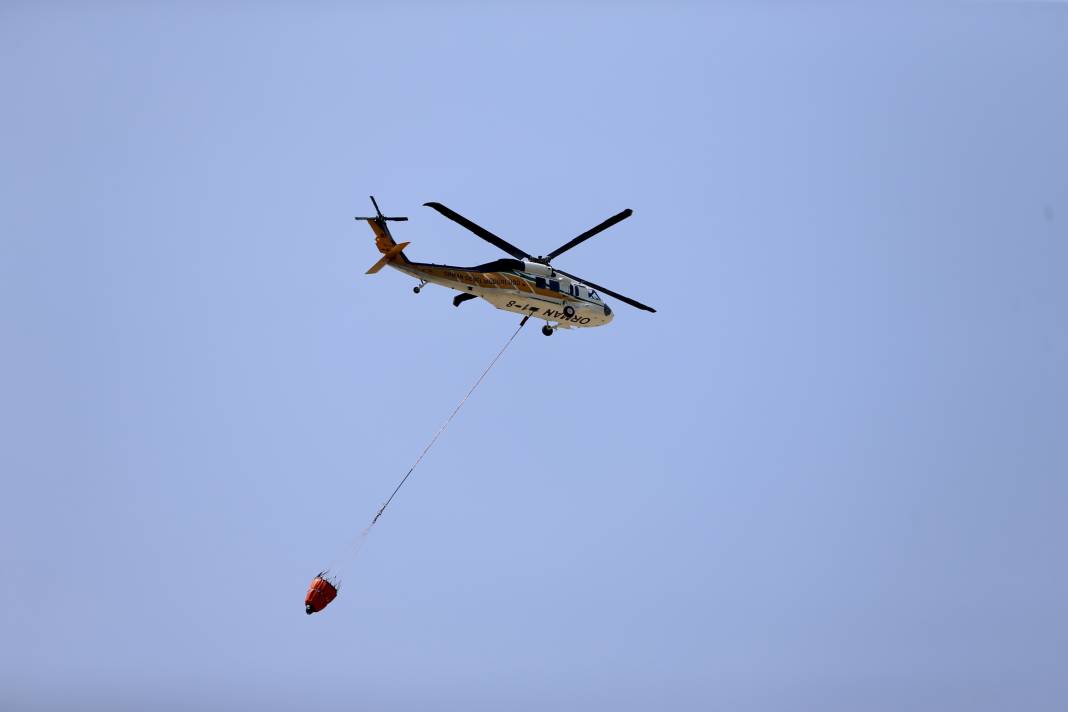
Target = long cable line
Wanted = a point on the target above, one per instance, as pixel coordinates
(446, 424)
(357, 545)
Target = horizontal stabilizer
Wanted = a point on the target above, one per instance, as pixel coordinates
(388, 257)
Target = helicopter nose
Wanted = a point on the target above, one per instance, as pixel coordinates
(308, 609)
(608, 312)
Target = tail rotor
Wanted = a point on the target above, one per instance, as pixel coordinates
(379, 217)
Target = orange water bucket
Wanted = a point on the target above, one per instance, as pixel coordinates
(320, 593)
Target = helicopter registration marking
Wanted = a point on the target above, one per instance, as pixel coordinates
(549, 313)
(513, 304)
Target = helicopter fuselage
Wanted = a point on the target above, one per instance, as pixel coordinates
(520, 286)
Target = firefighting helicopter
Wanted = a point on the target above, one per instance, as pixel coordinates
(525, 284)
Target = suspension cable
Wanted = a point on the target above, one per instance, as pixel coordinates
(446, 424)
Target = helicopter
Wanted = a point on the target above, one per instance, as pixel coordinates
(522, 284)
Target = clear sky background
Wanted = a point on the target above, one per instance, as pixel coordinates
(829, 473)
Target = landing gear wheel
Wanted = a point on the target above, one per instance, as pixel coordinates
(547, 330)
(569, 311)
(416, 289)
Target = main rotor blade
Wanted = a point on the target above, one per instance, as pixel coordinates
(590, 233)
(480, 231)
(609, 292)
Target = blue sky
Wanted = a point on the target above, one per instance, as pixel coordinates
(828, 473)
